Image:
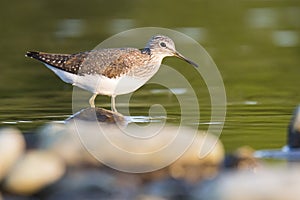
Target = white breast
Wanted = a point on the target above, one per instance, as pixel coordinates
(100, 84)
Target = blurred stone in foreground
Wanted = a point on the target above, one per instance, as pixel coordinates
(34, 170)
(93, 184)
(142, 149)
(149, 197)
(193, 168)
(241, 159)
(270, 183)
(63, 141)
(134, 148)
(12, 146)
(155, 154)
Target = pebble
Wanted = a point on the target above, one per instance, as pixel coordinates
(193, 166)
(182, 148)
(242, 159)
(65, 142)
(268, 183)
(12, 146)
(92, 183)
(167, 188)
(35, 170)
(149, 197)
(83, 143)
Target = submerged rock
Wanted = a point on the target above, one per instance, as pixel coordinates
(12, 146)
(98, 114)
(35, 170)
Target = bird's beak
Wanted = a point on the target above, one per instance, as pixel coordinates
(178, 55)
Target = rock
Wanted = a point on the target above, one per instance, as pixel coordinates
(136, 149)
(65, 142)
(149, 197)
(100, 115)
(32, 140)
(35, 170)
(10, 196)
(191, 166)
(12, 146)
(167, 188)
(242, 159)
(49, 134)
(268, 183)
(148, 148)
(92, 183)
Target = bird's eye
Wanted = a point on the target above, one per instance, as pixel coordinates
(162, 44)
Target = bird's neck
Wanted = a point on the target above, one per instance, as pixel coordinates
(146, 51)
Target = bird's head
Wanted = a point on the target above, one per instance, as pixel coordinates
(164, 46)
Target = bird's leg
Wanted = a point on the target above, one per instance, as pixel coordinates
(92, 100)
(113, 103)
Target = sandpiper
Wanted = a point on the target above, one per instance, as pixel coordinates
(112, 71)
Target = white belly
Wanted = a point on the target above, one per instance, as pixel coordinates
(99, 84)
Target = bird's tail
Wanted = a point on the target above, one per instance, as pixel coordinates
(32, 54)
(66, 62)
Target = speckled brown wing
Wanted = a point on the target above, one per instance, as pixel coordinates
(107, 62)
(67, 62)
(126, 63)
(112, 63)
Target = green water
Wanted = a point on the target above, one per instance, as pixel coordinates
(255, 44)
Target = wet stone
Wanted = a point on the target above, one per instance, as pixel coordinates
(12, 146)
(92, 184)
(193, 166)
(168, 188)
(63, 141)
(241, 159)
(268, 183)
(35, 170)
(98, 114)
